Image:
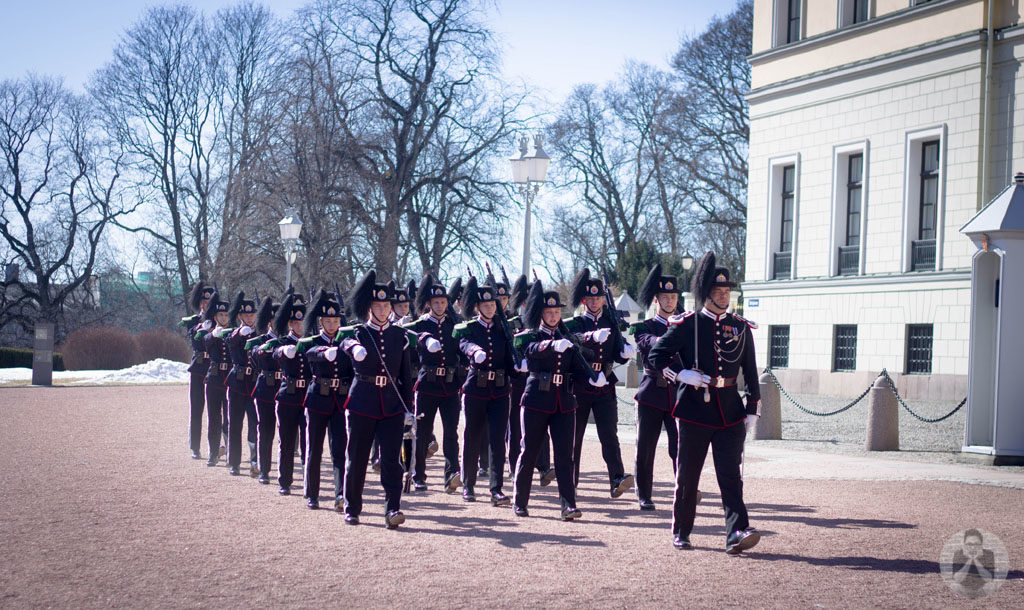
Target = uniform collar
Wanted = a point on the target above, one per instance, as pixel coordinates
(587, 314)
(659, 318)
(292, 335)
(378, 327)
(545, 329)
(326, 338)
(485, 324)
(435, 320)
(716, 317)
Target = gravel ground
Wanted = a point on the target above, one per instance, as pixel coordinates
(102, 507)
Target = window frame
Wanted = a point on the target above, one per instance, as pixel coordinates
(773, 227)
(836, 346)
(773, 347)
(841, 155)
(931, 349)
(782, 22)
(847, 12)
(912, 191)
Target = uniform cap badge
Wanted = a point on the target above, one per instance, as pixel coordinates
(298, 315)
(668, 285)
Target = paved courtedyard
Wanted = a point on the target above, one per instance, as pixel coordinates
(101, 506)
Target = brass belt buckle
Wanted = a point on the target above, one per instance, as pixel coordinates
(490, 375)
(334, 382)
(720, 382)
(248, 371)
(439, 371)
(380, 381)
(556, 379)
(596, 366)
(300, 383)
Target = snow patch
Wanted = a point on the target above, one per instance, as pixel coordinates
(154, 371)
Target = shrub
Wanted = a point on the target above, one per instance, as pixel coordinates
(162, 343)
(18, 357)
(100, 347)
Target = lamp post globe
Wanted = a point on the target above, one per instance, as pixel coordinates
(290, 227)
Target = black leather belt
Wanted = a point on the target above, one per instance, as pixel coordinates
(223, 366)
(433, 373)
(722, 382)
(547, 380)
(485, 377)
(659, 379)
(378, 380)
(299, 383)
(332, 383)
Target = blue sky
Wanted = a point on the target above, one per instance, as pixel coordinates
(551, 44)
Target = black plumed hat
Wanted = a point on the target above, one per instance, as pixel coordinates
(200, 292)
(264, 314)
(534, 305)
(703, 277)
(428, 289)
(215, 305)
(519, 291)
(585, 286)
(366, 291)
(470, 297)
(325, 306)
(410, 289)
(455, 291)
(288, 311)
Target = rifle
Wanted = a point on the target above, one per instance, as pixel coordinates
(618, 324)
(341, 304)
(577, 349)
(504, 277)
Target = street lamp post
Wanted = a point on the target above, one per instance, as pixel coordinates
(687, 265)
(290, 227)
(528, 173)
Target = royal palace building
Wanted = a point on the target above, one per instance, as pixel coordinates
(878, 128)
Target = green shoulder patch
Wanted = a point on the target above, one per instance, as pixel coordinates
(305, 343)
(188, 321)
(346, 332)
(461, 329)
(636, 327)
(270, 345)
(573, 324)
(524, 338)
(255, 341)
(223, 333)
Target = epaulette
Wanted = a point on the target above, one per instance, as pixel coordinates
(636, 327)
(679, 317)
(573, 324)
(461, 329)
(188, 321)
(251, 343)
(223, 333)
(524, 338)
(347, 332)
(270, 345)
(752, 325)
(200, 334)
(305, 343)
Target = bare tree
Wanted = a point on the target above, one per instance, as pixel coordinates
(59, 191)
(157, 97)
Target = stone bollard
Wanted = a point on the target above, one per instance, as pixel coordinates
(883, 418)
(769, 425)
(632, 374)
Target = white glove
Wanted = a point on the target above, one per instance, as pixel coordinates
(479, 356)
(600, 382)
(628, 351)
(693, 377)
(668, 373)
(433, 345)
(245, 331)
(206, 325)
(289, 351)
(358, 353)
(749, 422)
(331, 353)
(560, 345)
(521, 367)
(600, 335)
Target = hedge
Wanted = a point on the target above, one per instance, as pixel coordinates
(19, 357)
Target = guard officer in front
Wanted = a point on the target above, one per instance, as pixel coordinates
(379, 400)
(714, 346)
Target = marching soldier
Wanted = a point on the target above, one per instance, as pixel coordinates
(485, 393)
(554, 366)
(379, 400)
(656, 395)
(288, 325)
(241, 380)
(325, 397)
(515, 431)
(437, 388)
(200, 365)
(594, 327)
(220, 363)
(713, 346)
(265, 389)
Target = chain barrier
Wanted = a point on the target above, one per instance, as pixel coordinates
(775, 380)
(903, 404)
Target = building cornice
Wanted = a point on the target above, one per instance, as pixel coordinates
(889, 61)
(877, 23)
(874, 281)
